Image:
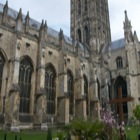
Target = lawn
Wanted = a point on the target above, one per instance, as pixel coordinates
(132, 132)
(24, 135)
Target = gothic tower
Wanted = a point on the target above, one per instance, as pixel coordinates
(90, 23)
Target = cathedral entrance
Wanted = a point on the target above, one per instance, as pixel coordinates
(119, 101)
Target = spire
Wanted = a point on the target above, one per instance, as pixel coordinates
(61, 35)
(126, 17)
(42, 25)
(27, 19)
(19, 24)
(127, 28)
(45, 26)
(136, 37)
(5, 12)
(41, 31)
(19, 17)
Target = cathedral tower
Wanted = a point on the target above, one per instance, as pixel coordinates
(90, 23)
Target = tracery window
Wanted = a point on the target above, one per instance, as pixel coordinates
(119, 62)
(50, 77)
(86, 93)
(25, 76)
(87, 35)
(70, 92)
(1, 69)
(79, 7)
(79, 35)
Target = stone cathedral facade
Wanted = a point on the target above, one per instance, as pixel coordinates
(47, 78)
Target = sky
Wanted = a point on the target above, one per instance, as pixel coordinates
(57, 13)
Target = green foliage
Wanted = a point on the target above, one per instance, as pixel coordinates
(60, 134)
(136, 112)
(88, 130)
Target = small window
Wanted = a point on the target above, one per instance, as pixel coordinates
(79, 35)
(87, 35)
(86, 7)
(119, 62)
(79, 7)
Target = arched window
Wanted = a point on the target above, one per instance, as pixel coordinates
(25, 76)
(86, 93)
(79, 7)
(119, 62)
(79, 35)
(120, 82)
(1, 69)
(120, 97)
(70, 92)
(86, 7)
(50, 77)
(109, 91)
(98, 89)
(87, 35)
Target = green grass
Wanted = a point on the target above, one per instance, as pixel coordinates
(132, 134)
(24, 135)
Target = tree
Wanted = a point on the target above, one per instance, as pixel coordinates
(136, 112)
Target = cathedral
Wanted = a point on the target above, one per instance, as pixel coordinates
(48, 79)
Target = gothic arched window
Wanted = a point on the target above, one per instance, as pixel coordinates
(98, 89)
(86, 92)
(121, 83)
(70, 92)
(25, 76)
(79, 7)
(86, 7)
(50, 76)
(87, 35)
(119, 62)
(79, 35)
(1, 69)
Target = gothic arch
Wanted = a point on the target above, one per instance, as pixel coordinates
(70, 90)
(50, 88)
(120, 88)
(2, 63)
(79, 33)
(29, 59)
(51, 65)
(120, 82)
(25, 84)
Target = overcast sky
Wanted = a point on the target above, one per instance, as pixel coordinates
(57, 13)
